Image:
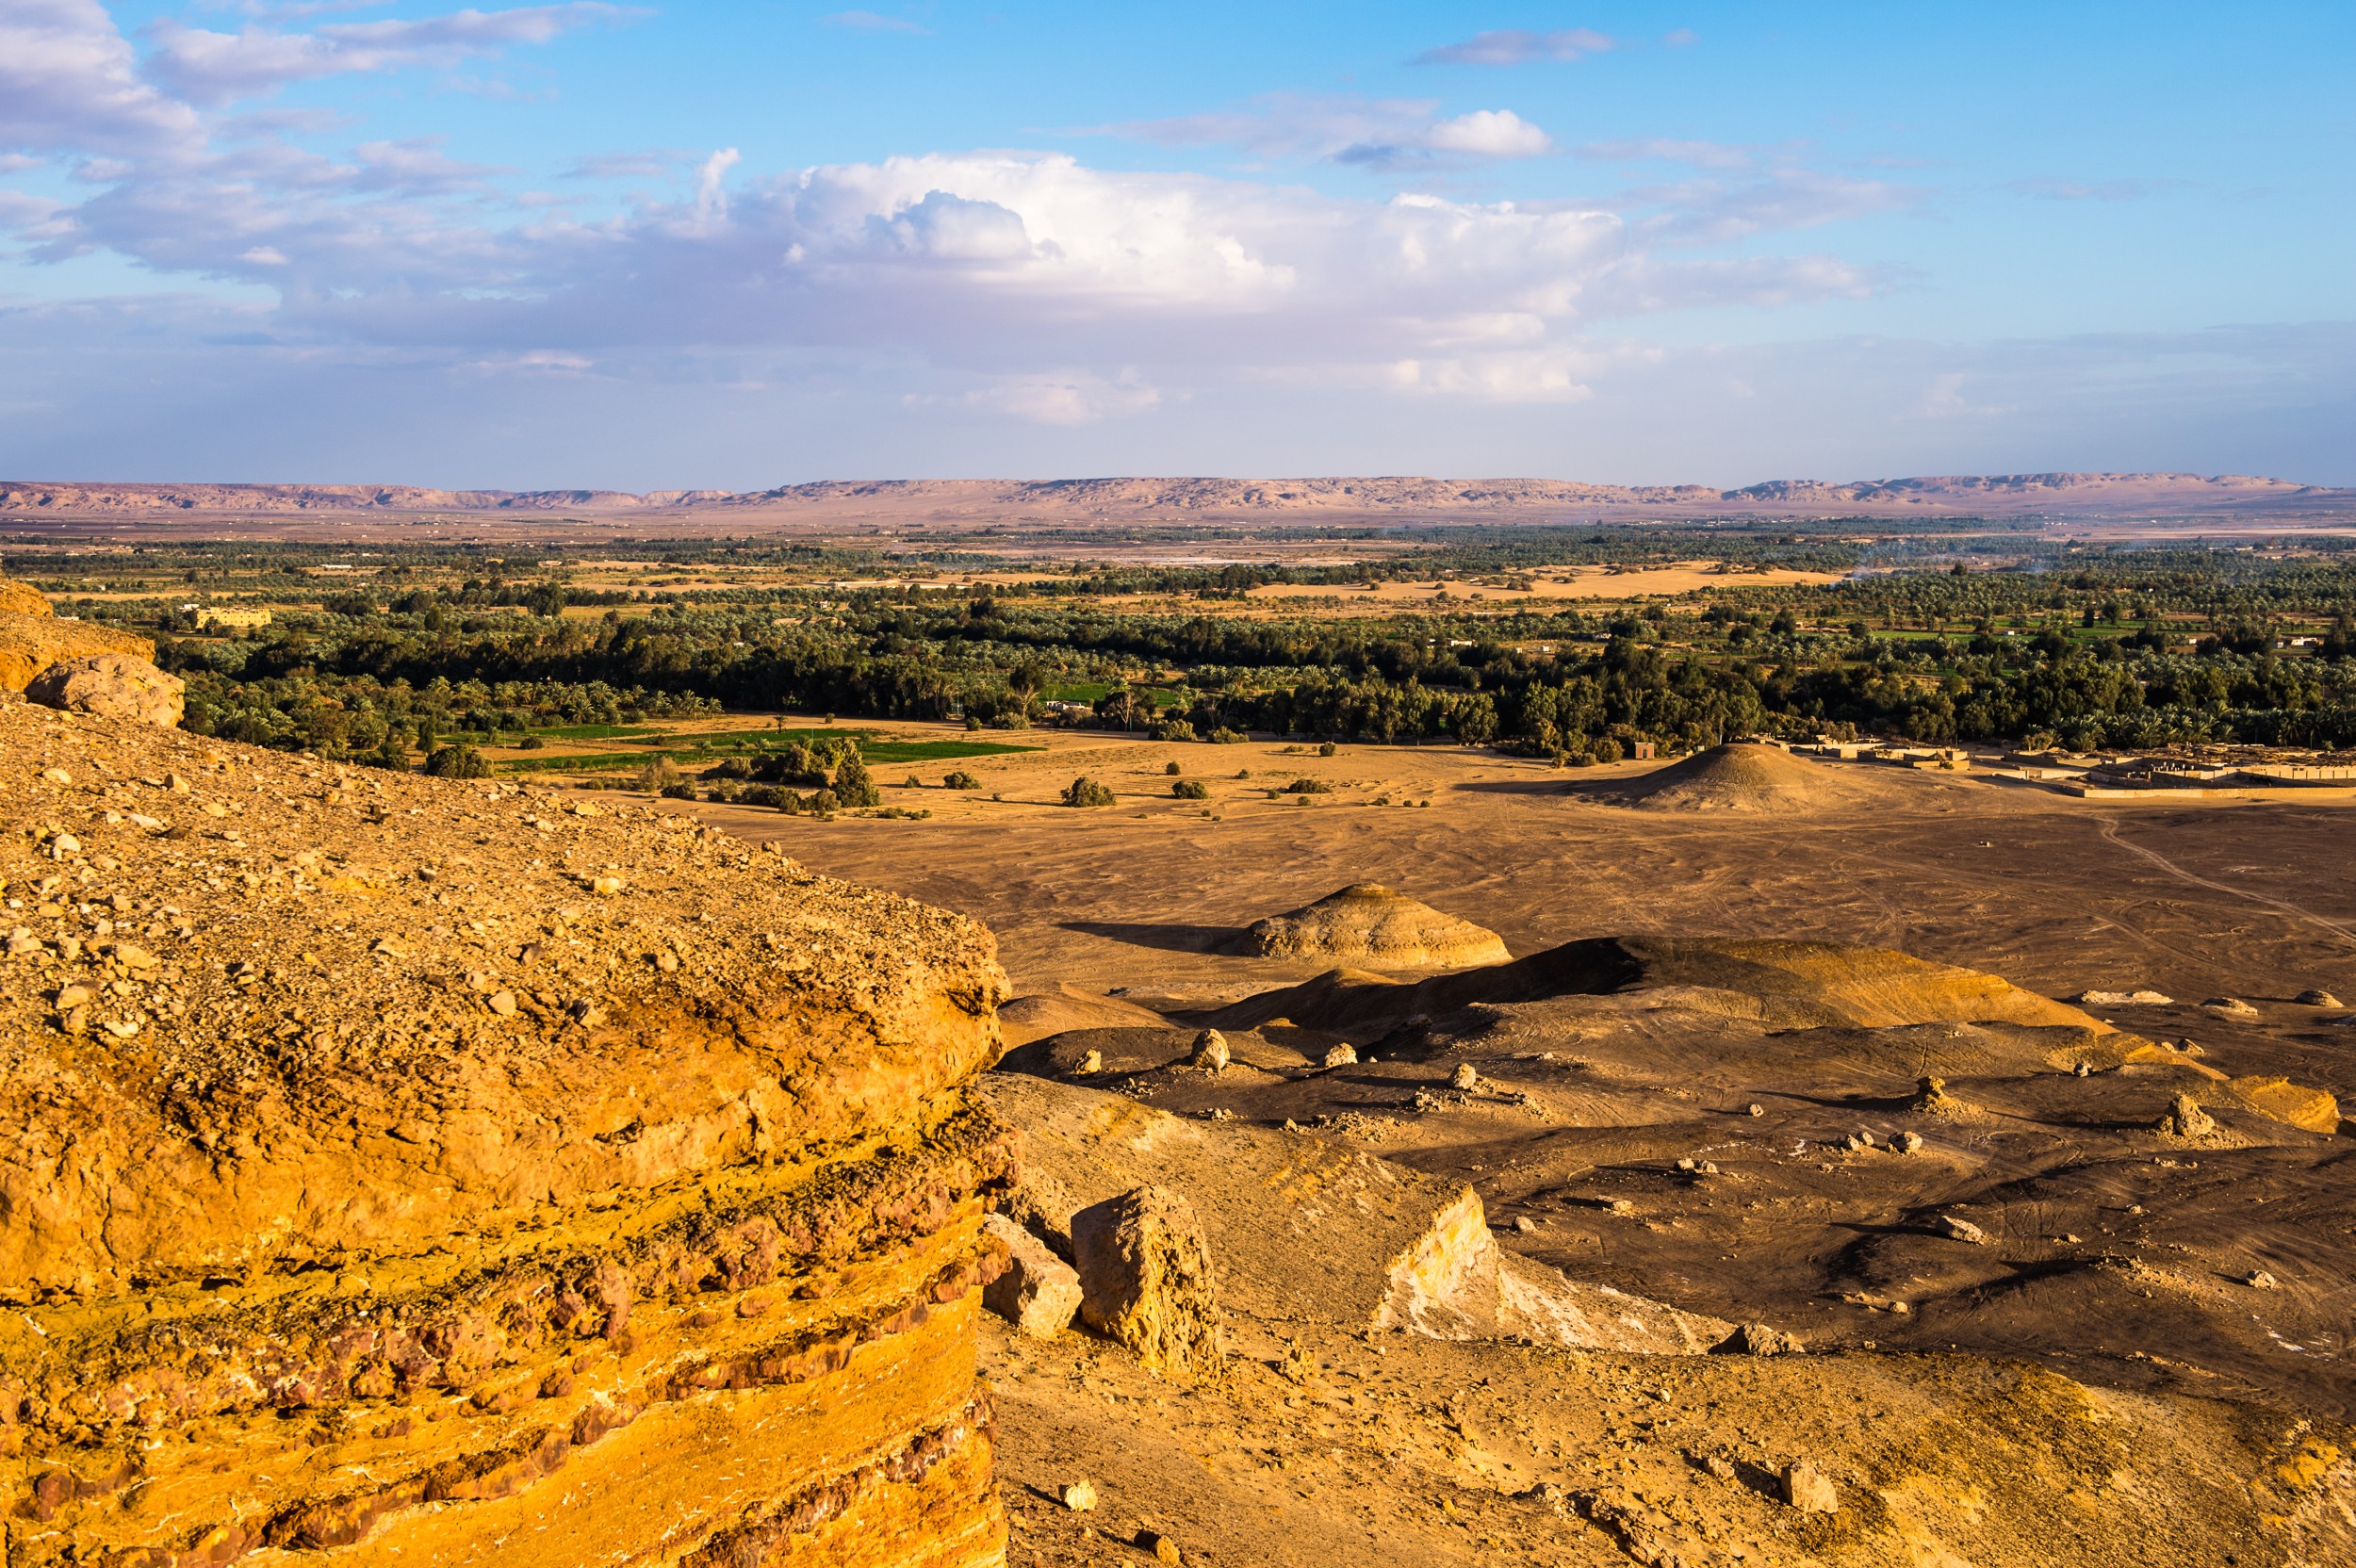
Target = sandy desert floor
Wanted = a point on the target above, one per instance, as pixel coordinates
(1376, 1457)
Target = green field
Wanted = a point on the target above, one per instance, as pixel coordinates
(681, 748)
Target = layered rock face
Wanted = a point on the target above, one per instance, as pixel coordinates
(435, 1172)
(32, 638)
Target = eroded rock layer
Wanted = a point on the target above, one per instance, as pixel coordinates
(428, 1172)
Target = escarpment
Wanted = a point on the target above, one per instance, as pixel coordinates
(435, 1172)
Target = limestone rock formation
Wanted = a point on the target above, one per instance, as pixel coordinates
(113, 686)
(1146, 1280)
(367, 1185)
(1039, 1293)
(32, 637)
(1370, 923)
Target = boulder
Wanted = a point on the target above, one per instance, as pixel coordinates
(1039, 1293)
(1758, 1339)
(1805, 1487)
(112, 685)
(2186, 1120)
(1146, 1280)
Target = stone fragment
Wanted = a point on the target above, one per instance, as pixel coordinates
(1957, 1228)
(1758, 1339)
(2230, 1006)
(607, 887)
(1805, 1488)
(2186, 1120)
(1162, 1546)
(1907, 1143)
(1343, 1054)
(1464, 1077)
(1755, 1108)
(503, 1003)
(113, 686)
(1080, 1495)
(2316, 999)
(1523, 1225)
(1039, 1292)
(2122, 999)
(2259, 1279)
(1146, 1280)
(1718, 1467)
(1091, 1065)
(1210, 1051)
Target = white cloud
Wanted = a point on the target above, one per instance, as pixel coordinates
(711, 198)
(68, 79)
(206, 67)
(1489, 134)
(1064, 398)
(1699, 154)
(1515, 46)
(1378, 133)
(869, 21)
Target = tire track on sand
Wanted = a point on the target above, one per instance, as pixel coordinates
(2110, 832)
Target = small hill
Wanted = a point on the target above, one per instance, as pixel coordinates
(1746, 777)
(1370, 923)
(1066, 1009)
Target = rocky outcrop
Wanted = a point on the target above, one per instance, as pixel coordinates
(32, 637)
(435, 1172)
(112, 686)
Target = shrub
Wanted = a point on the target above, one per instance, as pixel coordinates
(853, 786)
(680, 791)
(1607, 750)
(530, 743)
(1085, 791)
(765, 794)
(1173, 769)
(911, 782)
(733, 767)
(1173, 729)
(458, 762)
(1191, 789)
(960, 780)
(1224, 736)
(1308, 787)
(659, 771)
(1326, 750)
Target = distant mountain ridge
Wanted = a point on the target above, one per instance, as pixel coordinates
(2054, 495)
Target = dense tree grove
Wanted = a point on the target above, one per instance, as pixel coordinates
(2119, 648)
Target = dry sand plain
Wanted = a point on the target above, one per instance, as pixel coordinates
(2112, 1254)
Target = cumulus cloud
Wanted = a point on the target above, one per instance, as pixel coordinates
(208, 67)
(69, 79)
(1515, 46)
(1376, 133)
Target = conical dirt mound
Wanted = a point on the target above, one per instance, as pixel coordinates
(1746, 777)
(1370, 923)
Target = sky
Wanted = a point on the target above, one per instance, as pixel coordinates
(729, 246)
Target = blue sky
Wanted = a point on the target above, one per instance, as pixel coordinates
(737, 245)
